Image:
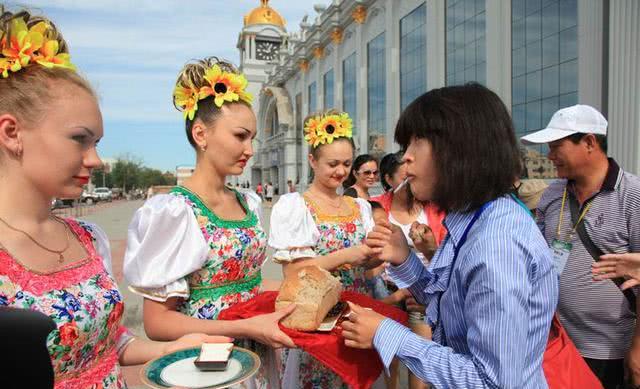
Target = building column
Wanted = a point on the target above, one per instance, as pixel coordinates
(623, 104)
(436, 44)
(338, 77)
(361, 96)
(304, 175)
(498, 41)
(590, 53)
(392, 65)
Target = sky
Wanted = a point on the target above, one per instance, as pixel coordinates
(132, 51)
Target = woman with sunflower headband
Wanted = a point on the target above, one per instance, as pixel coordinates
(199, 249)
(58, 267)
(322, 228)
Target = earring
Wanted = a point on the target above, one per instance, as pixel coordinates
(203, 147)
(18, 152)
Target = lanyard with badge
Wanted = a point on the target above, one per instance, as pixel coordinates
(562, 248)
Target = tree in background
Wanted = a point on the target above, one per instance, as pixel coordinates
(129, 173)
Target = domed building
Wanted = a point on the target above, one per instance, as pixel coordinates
(262, 37)
(371, 58)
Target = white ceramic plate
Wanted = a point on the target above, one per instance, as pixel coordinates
(185, 373)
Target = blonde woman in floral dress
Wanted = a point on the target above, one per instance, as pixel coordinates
(58, 267)
(320, 227)
(200, 249)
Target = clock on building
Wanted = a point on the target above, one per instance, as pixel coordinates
(266, 51)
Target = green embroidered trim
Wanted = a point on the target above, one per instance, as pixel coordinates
(214, 292)
(250, 219)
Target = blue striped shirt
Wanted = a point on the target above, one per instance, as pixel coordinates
(496, 310)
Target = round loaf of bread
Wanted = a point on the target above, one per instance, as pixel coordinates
(314, 291)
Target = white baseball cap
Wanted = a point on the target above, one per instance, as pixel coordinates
(568, 121)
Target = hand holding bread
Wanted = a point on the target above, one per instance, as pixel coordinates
(265, 329)
(423, 239)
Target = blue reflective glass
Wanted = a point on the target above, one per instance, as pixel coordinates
(466, 42)
(328, 90)
(534, 86)
(568, 44)
(518, 114)
(550, 81)
(550, 50)
(534, 56)
(533, 115)
(569, 76)
(550, 21)
(532, 6)
(544, 59)
(349, 88)
(567, 14)
(313, 98)
(376, 86)
(413, 55)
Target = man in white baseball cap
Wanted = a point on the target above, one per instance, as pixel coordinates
(568, 121)
(593, 210)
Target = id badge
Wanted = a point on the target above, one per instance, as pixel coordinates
(561, 251)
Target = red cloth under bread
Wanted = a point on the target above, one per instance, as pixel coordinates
(358, 368)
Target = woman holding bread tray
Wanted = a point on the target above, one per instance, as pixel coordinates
(199, 249)
(322, 228)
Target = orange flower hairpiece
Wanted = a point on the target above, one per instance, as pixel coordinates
(324, 129)
(26, 46)
(223, 86)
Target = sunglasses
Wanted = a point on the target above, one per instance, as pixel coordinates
(369, 173)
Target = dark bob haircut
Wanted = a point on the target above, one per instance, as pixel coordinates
(474, 146)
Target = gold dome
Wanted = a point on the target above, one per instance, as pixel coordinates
(264, 15)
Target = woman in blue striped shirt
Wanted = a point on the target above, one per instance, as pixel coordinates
(490, 290)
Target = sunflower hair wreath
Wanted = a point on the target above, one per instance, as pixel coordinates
(324, 129)
(23, 46)
(223, 86)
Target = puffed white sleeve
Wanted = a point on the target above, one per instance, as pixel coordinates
(293, 233)
(254, 202)
(100, 243)
(164, 244)
(366, 213)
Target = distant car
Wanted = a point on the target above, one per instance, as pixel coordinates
(89, 197)
(103, 194)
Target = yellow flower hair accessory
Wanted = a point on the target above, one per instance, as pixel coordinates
(223, 86)
(324, 129)
(25, 46)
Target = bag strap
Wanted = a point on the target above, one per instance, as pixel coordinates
(595, 251)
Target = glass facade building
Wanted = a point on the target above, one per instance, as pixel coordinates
(413, 55)
(376, 94)
(466, 41)
(313, 98)
(327, 81)
(349, 89)
(544, 68)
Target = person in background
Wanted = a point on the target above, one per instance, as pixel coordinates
(363, 175)
(420, 220)
(290, 187)
(259, 190)
(592, 210)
